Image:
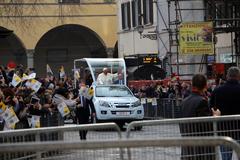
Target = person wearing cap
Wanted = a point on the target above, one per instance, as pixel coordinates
(11, 69)
(3, 77)
(105, 77)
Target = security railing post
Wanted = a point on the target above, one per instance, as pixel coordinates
(217, 148)
(38, 153)
(155, 109)
(172, 104)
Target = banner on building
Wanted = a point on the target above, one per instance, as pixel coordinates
(196, 38)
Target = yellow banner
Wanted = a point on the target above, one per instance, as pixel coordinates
(196, 38)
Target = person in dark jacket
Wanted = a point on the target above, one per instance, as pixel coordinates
(86, 107)
(82, 114)
(196, 105)
(226, 98)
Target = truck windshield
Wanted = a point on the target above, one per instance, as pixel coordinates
(107, 71)
(113, 91)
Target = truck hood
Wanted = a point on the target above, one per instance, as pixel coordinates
(117, 99)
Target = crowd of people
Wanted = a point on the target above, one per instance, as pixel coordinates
(173, 89)
(201, 97)
(27, 103)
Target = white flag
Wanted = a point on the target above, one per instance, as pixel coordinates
(62, 72)
(49, 71)
(35, 85)
(16, 80)
(35, 121)
(10, 118)
(32, 76)
(63, 109)
(76, 74)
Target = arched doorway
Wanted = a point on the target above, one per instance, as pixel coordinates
(149, 72)
(11, 48)
(63, 44)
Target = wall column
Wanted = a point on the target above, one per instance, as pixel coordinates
(30, 53)
(110, 52)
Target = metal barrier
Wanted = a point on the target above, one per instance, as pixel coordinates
(155, 108)
(150, 149)
(184, 127)
(68, 133)
(53, 119)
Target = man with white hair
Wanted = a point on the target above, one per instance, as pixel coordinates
(226, 98)
(105, 77)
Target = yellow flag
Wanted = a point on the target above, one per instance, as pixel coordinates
(16, 80)
(63, 109)
(24, 77)
(90, 91)
(2, 107)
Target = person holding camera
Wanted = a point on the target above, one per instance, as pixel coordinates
(3, 77)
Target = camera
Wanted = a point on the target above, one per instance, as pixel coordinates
(34, 100)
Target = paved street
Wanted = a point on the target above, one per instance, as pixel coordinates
(114, 154)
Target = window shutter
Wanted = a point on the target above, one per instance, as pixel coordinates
(133, 14)
(151, 11)
(128, 15)
(123, 16)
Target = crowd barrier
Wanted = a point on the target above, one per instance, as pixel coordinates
(180, 128)
(157, 108)
(69, 133)
(150, 149)
(46, 120)
(187, 127)
(53, 119)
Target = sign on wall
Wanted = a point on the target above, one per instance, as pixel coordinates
(142, 59)
(196, 38)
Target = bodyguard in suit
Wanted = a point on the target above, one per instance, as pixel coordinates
(86, 107)
(120, 79)
(83, 115)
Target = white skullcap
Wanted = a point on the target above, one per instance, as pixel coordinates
(105, 69)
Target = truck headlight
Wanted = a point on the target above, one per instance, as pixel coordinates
(104, 104)
(137, 103)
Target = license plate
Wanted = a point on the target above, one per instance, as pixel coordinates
(122, 113)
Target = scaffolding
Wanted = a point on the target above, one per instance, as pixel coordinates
(225, 16)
